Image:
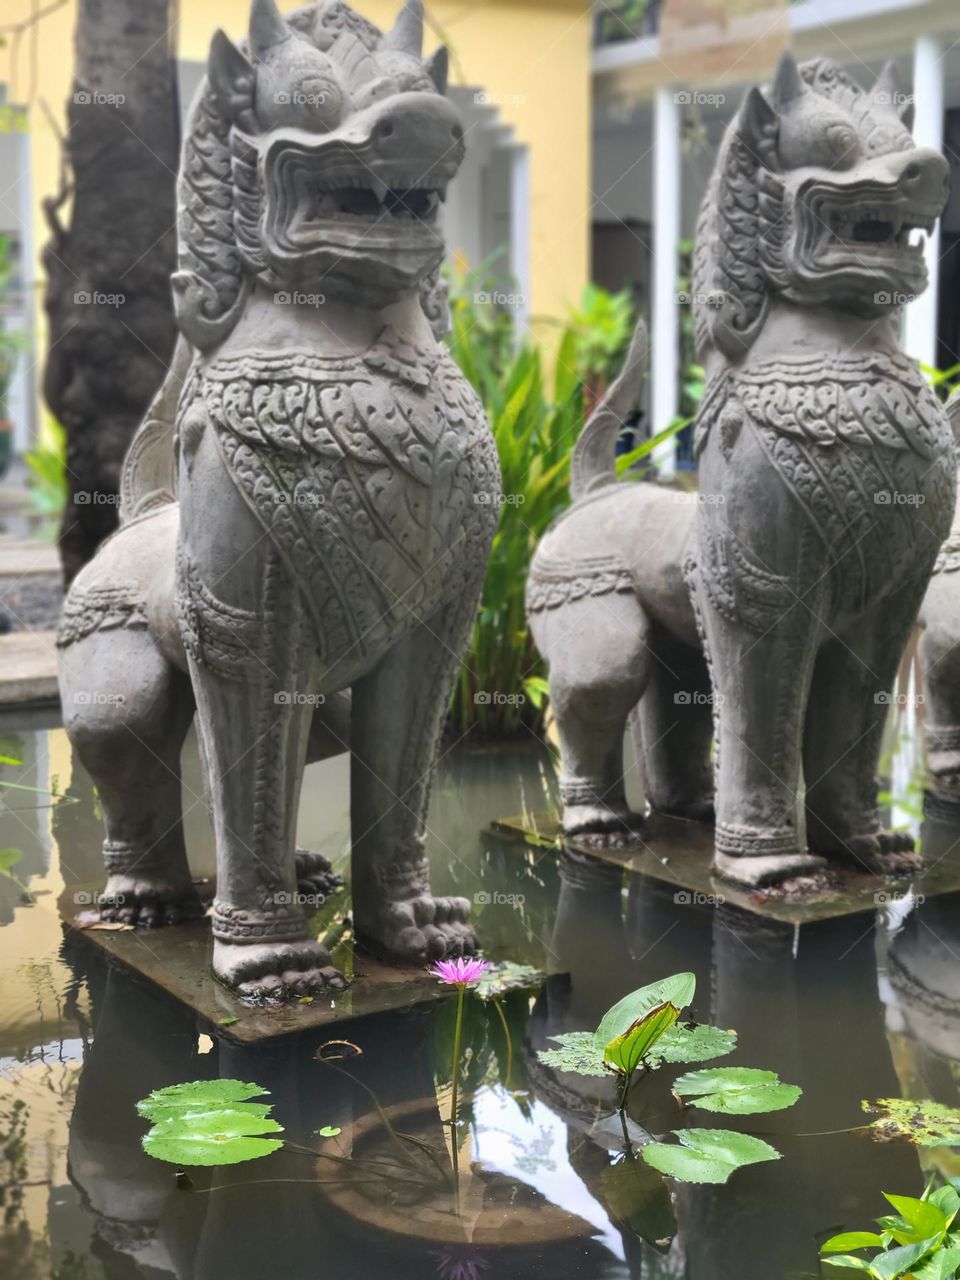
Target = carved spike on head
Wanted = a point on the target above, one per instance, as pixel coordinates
(787, 81)
(407, 33)
(232, 79)
(267, 27)
(886, 92)
(438, 67)
(758, 127)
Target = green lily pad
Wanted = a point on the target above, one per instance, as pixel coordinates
(577, 1052)
(217, 1138)
(707, 1155)
(504, 977)
(678, 989)
(925, 1124)
(199, 1095)
(738, 1091)
(693, 1044)
(625, 1053)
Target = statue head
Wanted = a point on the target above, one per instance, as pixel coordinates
(820, 195)
(316, 159)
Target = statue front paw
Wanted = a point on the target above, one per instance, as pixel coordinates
(271, 972)
(882, 852)
(419, 930)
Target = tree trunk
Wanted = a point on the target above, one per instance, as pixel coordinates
(108, 298)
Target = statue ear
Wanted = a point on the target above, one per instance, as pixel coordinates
(438, 67)
(759, 124)
(233, 80)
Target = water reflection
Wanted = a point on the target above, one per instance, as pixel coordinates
(858, 1007)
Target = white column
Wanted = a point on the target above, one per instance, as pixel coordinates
(520, 233)
(25, 385)
(920, 316)
(665, 315)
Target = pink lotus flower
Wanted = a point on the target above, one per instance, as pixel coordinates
(459, 972)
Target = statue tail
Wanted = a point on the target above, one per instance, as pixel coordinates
(593, 464)
(148, 478)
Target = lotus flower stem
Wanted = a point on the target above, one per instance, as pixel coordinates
(461, 988)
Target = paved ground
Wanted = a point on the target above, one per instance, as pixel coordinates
(30, 600)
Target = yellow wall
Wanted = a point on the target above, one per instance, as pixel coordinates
(533, 59)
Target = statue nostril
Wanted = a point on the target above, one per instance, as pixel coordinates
(386, 128)
(912, 172)
(457, 132)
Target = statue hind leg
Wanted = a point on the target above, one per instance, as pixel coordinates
(599, 658)
(126, 712)
(398, 714)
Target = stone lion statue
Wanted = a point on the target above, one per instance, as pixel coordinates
(826, 488)
(307, 509)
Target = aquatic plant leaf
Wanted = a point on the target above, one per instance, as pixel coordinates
(328, 1131)
(707, 1155)
(504, 977)
(737, 1091)
(197, 1095)
(678, 989)
(577, 1052)
(9, 859)
(852, 1240)
(625, 1053)
(693, 1044)
(220, 1137)
(925, 1124)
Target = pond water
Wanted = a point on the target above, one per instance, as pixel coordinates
(863, 1006)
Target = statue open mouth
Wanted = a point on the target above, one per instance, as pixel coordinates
(370, 199)
(875, 233)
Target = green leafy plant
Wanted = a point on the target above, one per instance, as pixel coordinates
(918, 1240)
(642, 1032)
(47, 463)
(602, 325)
(536, 417)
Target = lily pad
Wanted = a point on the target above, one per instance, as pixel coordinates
(577, 1052)
(504, 977)
(678, 989)
(707, 1155)
(925, 1124)
(217, 1138)
(199, 1095)
(737, 1091)
(693, 1044)
(625, 1053)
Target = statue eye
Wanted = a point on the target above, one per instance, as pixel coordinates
(844, 145)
